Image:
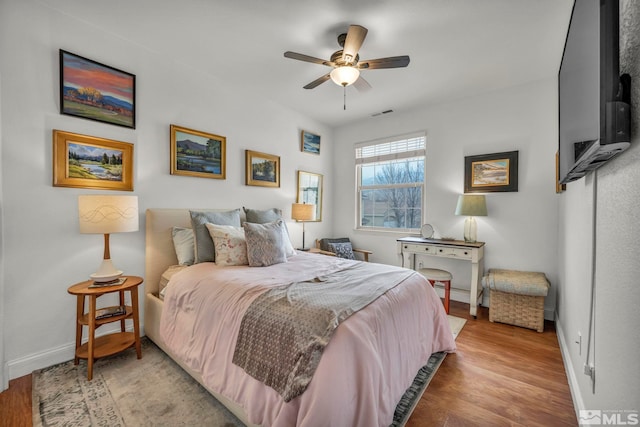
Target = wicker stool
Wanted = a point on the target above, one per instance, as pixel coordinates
(434, 275)
(517, 297)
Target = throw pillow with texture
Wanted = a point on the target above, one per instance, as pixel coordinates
(204, 249)
(229, 243)
(265, 245)
(269, 215)
(183, 244)
(342, 250)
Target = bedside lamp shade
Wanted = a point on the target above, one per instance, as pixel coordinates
(100, 214)
(471, 205)
(303, 212)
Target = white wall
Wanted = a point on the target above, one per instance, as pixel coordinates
(520, 229)
(615, 342)
(44, 253)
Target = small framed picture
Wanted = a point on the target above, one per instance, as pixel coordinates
(262, 169)
(310, 143)
(491, 172)
(196, 153)
(82, 161)
(95, 91)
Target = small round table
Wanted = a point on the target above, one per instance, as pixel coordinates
(109, 344)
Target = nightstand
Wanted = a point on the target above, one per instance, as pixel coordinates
(105, 345)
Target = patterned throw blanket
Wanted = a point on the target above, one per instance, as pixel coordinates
(285, 330)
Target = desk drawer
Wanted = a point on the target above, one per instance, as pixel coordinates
(419, 249)
(454, 252)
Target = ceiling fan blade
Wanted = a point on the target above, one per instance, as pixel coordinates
(390, 62)
(353, 42)
(361, 84)
(307, 58)
(318, 81)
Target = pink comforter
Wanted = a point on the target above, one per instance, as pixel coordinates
(370, 361)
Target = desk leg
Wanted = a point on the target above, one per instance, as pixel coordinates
(136, 320)
(79, 314)
(476, 275)
(92, 335)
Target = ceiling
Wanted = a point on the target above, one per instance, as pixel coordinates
(458, 48)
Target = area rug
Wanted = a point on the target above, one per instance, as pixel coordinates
(154, 391)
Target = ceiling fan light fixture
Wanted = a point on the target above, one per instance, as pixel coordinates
(345, 75)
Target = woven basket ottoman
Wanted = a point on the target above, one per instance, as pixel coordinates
(517, 297)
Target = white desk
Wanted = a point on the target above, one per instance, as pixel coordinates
(409, 247)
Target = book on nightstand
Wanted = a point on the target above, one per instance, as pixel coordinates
(115, 282)
(105, 313)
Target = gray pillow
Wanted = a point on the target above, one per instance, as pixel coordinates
(265, 245)
(270, 215)
(342, 250)
(183, 243)
(204, 249)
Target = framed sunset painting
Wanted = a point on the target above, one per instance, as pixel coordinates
(95, 91)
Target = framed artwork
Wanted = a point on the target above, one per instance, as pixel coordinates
(491, 173)
(195, 153)
(310, 143)
(96, 91)
(83, 161)
(310, 191)
(262, 169)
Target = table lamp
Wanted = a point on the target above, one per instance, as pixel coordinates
(471, 205)
(100, 214)
(303, 212)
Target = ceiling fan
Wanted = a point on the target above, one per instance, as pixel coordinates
(346, 62)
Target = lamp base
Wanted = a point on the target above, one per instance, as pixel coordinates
(470, 230)
(106, 273)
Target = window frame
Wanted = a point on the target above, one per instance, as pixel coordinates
(408, 154)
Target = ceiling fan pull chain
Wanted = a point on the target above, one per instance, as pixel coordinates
(344, 98)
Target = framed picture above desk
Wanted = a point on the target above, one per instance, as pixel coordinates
(473, 253)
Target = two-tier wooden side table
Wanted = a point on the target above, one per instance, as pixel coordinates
(109, 344)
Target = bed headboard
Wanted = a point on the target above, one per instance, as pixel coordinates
(159, 251)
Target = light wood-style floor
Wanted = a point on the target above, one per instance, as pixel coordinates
(501, 375)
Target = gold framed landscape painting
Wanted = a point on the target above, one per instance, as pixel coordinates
(83, 161)
(262, 169)
(199, 154)
(490, 173)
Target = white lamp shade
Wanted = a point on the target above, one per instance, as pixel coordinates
(303, 212)
(471, 205)
(99, 214)
(344, 76)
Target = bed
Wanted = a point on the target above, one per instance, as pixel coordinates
(370, 360)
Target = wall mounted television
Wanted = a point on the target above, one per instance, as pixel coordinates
(594, 100)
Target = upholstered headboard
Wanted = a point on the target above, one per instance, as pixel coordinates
(159, 250)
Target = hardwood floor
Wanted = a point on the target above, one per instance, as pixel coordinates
(501, 375)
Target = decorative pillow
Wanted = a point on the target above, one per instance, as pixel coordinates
(270, 215)
(342, 250)
(204, 250)
(324, 243)
(229, 243)
(183, 244)
(265, 245)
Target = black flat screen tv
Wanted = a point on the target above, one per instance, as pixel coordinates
(594, 100)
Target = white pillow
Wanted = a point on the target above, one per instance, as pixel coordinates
(229, 243)
(183, 243)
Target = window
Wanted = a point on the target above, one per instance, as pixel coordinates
(390, 183)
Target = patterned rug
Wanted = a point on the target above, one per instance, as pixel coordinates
(153, 391)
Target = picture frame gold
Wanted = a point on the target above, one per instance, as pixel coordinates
(309, 142)
(310, 191)
(196, 153)
(262, 169)
(490, 173)
(83, 161)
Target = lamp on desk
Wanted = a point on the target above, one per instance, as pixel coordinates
(471, 205)
(100, 214)
(303, 212)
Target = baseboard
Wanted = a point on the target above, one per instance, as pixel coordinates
(578, 403)
(26, 365)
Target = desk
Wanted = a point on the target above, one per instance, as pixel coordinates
(409, 247)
